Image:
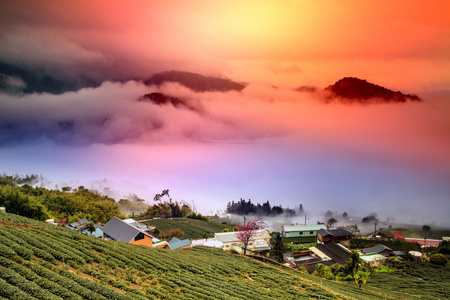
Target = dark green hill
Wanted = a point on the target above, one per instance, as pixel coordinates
(195, 82)
(193, 229)
(40, 203)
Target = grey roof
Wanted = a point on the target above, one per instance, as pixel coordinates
(121, 231)
(323, 232)
(334, 252)
(177, 243)
(82, 221)
(376, 249)
(335, 232)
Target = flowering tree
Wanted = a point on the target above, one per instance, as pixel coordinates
(247, 231)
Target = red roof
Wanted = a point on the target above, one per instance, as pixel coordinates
(399, 235)
(422, 241)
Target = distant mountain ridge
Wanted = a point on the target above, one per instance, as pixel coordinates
(163, 99)
(355, 90)
(195, 82)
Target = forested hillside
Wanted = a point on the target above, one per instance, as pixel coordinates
(40, 203)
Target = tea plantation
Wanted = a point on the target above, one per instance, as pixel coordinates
(42, 261)
(193, 229)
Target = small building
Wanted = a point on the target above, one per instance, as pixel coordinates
(51, 221)
(79, 225)
(339, 235)
(2, 208)
(424, 242)
(179, 244)
(379, 249)
(117, 229)
(259, 242)
(302, 230)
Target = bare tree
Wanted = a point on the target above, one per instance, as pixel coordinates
(246, 232)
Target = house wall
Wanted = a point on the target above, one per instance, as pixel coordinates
(146, 241)
(300, 233)
(324, 239)
(187, 246)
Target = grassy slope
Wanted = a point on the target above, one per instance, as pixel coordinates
(194, 229)
(54, 263)
(423, 280)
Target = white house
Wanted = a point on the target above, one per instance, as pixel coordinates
(260, 241)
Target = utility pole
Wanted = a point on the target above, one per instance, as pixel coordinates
(244, 219)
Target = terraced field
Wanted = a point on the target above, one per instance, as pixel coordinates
(45, 262)
(42, 261)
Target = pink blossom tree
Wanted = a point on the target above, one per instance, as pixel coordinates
(247, 231)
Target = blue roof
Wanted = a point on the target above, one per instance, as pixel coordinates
(177, 243)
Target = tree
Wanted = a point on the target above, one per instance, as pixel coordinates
(426, 229)
(248, 231)
(345, 215)
(328, 214)
(361, 278)
(353, 262)
(330, 222)
(370, 218)
(278, 247)
(205, 236)
(159, 196)
(438, 259)
(66, 188)
(90, 227)
(301, 211)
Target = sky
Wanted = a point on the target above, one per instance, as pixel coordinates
(266, 142)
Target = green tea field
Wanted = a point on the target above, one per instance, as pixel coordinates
(193, 229)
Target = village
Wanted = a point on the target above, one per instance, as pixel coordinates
(309, 246)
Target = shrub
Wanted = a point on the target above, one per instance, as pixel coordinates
(178, 233)
(438, 259)
(6, 251)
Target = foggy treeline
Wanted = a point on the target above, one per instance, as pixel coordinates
(242, 207)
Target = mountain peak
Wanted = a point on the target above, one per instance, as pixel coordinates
(195, 82)
(355, 90)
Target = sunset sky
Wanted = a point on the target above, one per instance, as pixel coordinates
(266, 142)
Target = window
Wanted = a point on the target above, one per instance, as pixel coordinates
(301, 232)
(139, 236)
(311, 232)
